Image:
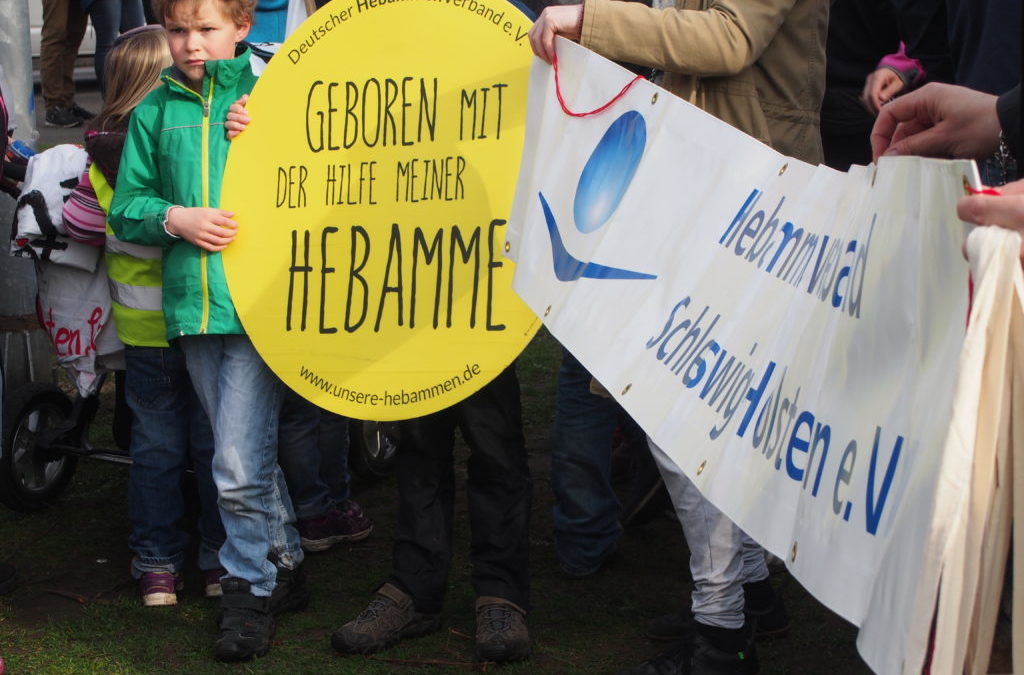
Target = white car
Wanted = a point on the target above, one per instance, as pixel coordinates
(35, 23)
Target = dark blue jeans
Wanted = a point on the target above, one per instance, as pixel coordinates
(586, 511)
(109, 19)
(170, 431)
(312, 449)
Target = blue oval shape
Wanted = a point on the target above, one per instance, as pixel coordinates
(609, 171)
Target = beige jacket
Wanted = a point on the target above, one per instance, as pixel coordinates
(757, 64)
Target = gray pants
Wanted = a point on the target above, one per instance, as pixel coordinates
(722, 556)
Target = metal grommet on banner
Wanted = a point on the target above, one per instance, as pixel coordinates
(547, 311)
(654, 98)
(783, 169)
(508, 247)
(626, 389)
(792, 553)
(700, 469)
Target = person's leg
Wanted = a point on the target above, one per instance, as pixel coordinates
(158, 398)
(334, 448)
(63, 28)
(409, 604)
(322, 522)
(132, 14)
(586, 511)
(106, 22)
(299, 456)
(499, 493)
(721, 640)
(426, 493)
(716, 550)
(243, 397)
(499, 489)
(210, 526)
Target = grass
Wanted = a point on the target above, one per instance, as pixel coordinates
(75, 610)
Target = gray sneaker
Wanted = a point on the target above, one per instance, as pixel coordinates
(389, 618)
(501, 633)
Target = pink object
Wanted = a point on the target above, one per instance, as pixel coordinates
(910, 69)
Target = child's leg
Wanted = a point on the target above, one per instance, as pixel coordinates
(158, 393)
(211, 529)
(243, 398)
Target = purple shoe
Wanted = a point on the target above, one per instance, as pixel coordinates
(160, 589)
(211, 580)
(344, 524)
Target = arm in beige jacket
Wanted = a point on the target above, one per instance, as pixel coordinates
(722, 39)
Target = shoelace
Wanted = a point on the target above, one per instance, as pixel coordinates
(497, 618)
(373, 610)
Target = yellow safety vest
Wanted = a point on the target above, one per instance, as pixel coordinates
(136, 280)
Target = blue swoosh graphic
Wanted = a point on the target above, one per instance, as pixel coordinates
(568, 268)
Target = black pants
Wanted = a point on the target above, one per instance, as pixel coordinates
(498, 488)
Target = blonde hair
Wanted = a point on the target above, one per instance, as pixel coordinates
(133, 70)
(240, 11)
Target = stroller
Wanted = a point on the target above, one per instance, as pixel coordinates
(45, 430)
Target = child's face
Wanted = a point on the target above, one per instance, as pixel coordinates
(208, 34)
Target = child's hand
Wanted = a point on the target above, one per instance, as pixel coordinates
(238, 117)
(210, 229)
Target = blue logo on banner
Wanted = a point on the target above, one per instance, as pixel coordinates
(602, 186)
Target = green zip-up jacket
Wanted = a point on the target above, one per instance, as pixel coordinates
(174, 155)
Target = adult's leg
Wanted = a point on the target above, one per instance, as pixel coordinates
(422, 551)
(586, 511)
(499, 489)
(106, 21)
(716, 550)
(62, 32)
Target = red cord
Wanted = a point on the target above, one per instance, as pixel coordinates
(609, 104)
(986, 191)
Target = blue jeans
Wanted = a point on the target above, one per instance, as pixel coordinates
(169, 428)
(313, 453)
(586, 511)
(722, 556)
(243, 399)
(109, 18)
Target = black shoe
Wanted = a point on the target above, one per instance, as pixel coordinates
(670, 627)
(695, 655)
(765, 610)
(290, 594)
(245, 623)
(81, 113)
(769, 622)
(62, 118)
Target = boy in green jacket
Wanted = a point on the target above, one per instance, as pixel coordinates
(168, 194)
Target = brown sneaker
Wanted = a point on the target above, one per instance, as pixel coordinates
(501, 633)
(389, 618)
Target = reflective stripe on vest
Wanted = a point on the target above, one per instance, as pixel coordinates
(135, 274)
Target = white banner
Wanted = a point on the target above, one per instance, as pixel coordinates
(787, 333)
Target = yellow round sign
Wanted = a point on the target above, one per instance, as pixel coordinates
(372, 189)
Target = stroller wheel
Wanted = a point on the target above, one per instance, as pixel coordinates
(29, 478)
